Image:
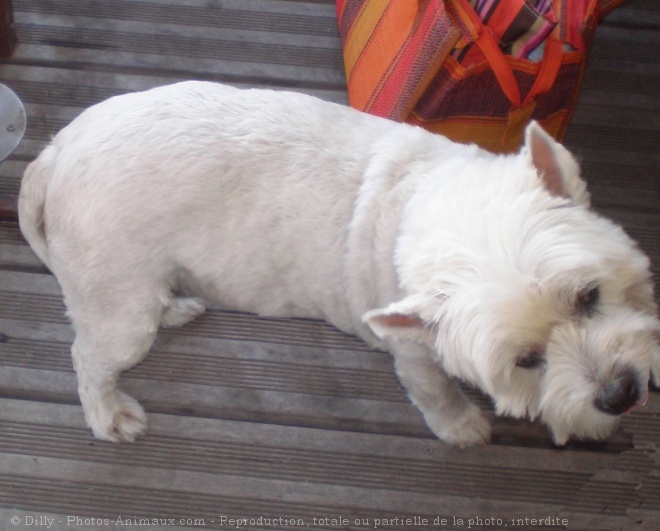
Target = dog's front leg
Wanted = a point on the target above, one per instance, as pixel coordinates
(447, 411)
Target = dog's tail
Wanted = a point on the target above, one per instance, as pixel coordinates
(32, 201)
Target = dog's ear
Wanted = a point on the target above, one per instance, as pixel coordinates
(399, 321)
(555, 165)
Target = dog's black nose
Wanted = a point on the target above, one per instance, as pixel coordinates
(619, 395)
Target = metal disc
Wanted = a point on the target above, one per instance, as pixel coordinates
(12, 121)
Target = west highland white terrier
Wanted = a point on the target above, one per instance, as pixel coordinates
(464, 265)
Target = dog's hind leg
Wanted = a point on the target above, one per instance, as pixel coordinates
(114, 332)
(99, 356)
(98, 361)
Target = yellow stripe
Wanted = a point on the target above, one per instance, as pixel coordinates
(361, 32)
(380, 51)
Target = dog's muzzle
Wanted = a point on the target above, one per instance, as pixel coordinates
(621, 394)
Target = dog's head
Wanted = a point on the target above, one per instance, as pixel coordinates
(525, 292)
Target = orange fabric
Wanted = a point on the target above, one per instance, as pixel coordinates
(549, 68)
(398, 65)
(464, 15)
(488, 133)
(392, 49)
(368, 68)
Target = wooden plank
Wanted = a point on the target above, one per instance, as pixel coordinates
(8, 206)
(289, 470)
(20, 257)
(252, 416)
(273, 16)
(277, 58)
(48, 85)
(10, 234)
(294, 438)
(174, 494)
(7, 28)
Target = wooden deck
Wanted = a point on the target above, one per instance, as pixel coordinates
(289, 422)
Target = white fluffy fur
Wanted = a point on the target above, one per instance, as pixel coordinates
(455, 260)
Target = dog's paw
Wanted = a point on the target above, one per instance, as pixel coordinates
(469, 428)
(123, 423)
(181, 310)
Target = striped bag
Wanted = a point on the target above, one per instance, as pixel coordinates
(472, 70)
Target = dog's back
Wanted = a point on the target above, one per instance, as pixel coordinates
(248, 195)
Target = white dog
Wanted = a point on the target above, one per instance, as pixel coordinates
(462, 264)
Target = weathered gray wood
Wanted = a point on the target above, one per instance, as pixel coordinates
(7, 28)
(219, 463)
(19, 257)
(239, 54)
(290, 418)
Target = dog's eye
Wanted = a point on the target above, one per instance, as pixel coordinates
(530, 360)
(587, 301)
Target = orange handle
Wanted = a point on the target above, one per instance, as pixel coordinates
(469, 22)
(549, 67)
